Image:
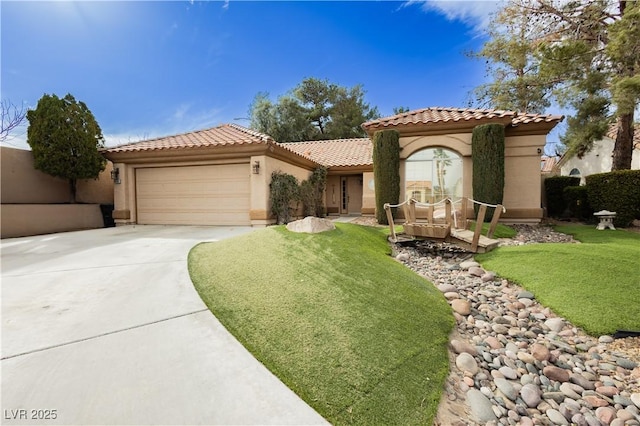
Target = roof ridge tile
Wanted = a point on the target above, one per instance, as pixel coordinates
(224, 134)
(444, 114)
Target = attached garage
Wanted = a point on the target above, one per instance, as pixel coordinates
(217, 176)
(194, 195)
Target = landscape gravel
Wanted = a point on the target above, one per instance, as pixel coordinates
(513, 361)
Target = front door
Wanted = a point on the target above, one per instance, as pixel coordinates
(351, 194)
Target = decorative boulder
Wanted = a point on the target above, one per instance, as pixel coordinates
(311, 225)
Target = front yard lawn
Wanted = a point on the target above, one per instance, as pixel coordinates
(595, 284)
(357, 335)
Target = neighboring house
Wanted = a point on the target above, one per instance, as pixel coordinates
(221, 176)
(549, 166)
(599, 159)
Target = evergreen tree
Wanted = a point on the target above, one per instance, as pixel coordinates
(386, 171)
(65, 139)
(315, 109)
(586, 55)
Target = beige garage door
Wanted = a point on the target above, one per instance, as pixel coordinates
(194, 195)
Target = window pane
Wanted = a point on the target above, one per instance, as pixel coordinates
(433, 174)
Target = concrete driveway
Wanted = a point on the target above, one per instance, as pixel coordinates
(105, 327)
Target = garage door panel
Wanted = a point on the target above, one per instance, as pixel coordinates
(194, 195)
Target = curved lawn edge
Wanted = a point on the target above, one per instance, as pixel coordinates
(594, 284)
(357, 335)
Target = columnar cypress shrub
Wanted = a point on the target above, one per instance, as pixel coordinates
(554, 187)
(487, 151)
(386, 171)
(617, 191)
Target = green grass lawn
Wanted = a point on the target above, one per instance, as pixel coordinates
(595, 285)
(357, 335)
(502, 231)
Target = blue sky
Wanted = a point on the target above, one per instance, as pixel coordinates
(154, 68)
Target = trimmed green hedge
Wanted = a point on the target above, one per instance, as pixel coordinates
(576, 200)
(311, 193)
(487, 151)
(284, 191)
(617, 191)
(386, 171)
(554, 189)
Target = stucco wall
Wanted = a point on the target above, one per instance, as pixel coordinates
(22, 184)
(522, 194)
(35, 203)
(20, 220)
(96, 191)
(598, 160)
(260, 198)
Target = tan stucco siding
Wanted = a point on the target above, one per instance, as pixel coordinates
(459, 143)
(20, 220)
(522, 187)
(260, 198)
(36, 203)
(522, 195)
(21, 183)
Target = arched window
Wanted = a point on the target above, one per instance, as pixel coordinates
(436, 173)
(574, 172)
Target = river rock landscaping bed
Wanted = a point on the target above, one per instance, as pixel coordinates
(513, 361)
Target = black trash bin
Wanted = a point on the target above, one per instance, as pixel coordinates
(107, 215)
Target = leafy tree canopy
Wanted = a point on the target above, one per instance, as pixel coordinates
(400, 110)
(65, 138)
(313, 110)
(585, 55)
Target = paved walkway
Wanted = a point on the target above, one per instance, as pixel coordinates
(105, 327)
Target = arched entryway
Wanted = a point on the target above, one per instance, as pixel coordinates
(433, 174)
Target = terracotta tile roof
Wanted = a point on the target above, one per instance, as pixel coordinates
(442, 115)
(548, 163)
(613, 130)
(225, 134)
(336, 152)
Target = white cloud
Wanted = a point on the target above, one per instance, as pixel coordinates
(17, 138)
(476, 13)
(181, 120)
(181, 111)
(114, 139)
(185, 118)
(225, 6)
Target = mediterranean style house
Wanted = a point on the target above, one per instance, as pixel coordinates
(221, 176)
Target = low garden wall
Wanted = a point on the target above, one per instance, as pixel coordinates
(35, 203)
(19, 220)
